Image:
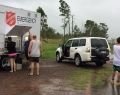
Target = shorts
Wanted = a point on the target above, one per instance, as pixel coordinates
(34, 59)
(12, 55)
(116, 68)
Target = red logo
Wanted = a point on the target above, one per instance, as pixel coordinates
(10, 18)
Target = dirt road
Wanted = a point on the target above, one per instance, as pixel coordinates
(51, 81)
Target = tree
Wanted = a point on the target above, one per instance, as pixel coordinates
(64, 9)
(89, 27)
(96, 30)
(44, 24)
(103, 29)
(76, 31)
(65, 12)
(50, 33)
(40, 10)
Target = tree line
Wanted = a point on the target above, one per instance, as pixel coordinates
(91, 28)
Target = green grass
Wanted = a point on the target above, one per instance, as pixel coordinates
(102, 76)
(49, 48)
(95, 77)
(80, 78)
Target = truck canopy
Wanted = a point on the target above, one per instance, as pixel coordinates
(18, 30)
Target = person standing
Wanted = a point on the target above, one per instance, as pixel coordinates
(11, 53)
(116, 59)
(34, 54)
(26, 45)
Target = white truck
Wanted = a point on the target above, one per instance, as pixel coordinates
(17, 23)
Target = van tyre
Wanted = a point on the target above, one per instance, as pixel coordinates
(58, 59)
(78, 61)
(99, 63)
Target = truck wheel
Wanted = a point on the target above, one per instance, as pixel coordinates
(5, 62)
(58, 59)
(78, 61)
(99, 63)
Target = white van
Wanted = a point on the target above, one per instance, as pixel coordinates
(85, 49)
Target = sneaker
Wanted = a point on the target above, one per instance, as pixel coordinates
(11, 71)
(30, 74)
(38, 74)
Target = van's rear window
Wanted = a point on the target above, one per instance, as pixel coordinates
(99, 43)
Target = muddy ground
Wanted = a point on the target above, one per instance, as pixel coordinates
(51, 81)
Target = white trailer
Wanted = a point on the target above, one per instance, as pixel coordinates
(17, 22)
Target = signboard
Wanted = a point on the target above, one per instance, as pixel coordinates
(10, 18)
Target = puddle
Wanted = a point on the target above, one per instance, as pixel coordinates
(109, 89)
(112, 89)
(57, 87)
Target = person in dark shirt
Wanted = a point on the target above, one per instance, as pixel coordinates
(11, 53)
(26, 45)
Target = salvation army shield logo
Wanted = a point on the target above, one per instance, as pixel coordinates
(10, 18)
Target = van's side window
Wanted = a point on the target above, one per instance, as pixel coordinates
(75, 43)
(68, 44)
(82, 42)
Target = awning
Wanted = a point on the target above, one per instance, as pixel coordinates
(18, 31)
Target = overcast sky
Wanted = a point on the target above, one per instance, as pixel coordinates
(100, 11)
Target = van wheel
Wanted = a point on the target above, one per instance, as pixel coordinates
(78, 60)
(58, 59)
(99, 63)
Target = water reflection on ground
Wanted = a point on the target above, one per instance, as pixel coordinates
(109, 89)
(113, 89)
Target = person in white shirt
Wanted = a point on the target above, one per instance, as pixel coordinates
(34, 54)
(116, 58)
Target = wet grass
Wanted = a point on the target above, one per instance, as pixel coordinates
(102, 76)
(80, 78)
(49, 48)
(93, 76)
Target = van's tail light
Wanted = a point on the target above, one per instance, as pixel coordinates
(109, 49)
(87, 49)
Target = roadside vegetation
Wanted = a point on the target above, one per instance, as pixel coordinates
(49, 47)
(81, 77)
(90, 76)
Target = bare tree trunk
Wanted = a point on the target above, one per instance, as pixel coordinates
(64, 31)
(69, 26)
(72, 24)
